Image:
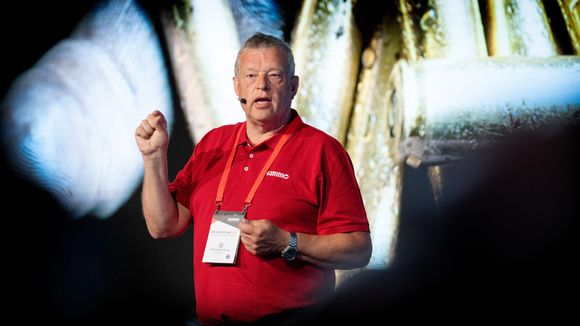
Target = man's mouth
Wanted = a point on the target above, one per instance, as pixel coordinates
(262, 100)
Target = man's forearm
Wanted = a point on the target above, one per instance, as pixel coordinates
(159, 207)
(336, 251)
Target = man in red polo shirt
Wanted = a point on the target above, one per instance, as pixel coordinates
(283, 189)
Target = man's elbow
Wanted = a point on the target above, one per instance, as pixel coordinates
(362, 256)
(159, 234)
(365, 252)
(162, 232)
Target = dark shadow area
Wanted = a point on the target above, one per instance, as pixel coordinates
(89, 271)
(501, 247)
(29, 28)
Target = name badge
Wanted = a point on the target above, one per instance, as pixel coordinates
(224, 238)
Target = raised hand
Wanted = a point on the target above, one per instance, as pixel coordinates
(152, 135)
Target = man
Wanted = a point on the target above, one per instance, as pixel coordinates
(291, 186)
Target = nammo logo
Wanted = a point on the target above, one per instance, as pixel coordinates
(277, 174)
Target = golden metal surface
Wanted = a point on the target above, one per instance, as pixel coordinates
(571, 12)
(438, 29)
(327, 50)
(519, 27)
(369, 143)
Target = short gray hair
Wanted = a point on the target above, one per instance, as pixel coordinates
(261, 41)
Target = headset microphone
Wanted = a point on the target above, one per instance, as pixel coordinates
(243, 101)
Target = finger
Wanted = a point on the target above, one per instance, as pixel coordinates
(156, 113)
(147, 127)
(245, 226)
(142, 133)
(245, 240)
(248, 244)
(157, 120)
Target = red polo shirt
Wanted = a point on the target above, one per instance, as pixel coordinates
(309, 188)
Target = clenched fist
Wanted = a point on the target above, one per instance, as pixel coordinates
(152, 135)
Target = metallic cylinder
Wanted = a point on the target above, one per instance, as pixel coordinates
(443, 29)
(453, 29)
(379, 177)
(411, 50)
(327, 46)
(442, 109)
(377, 63)
(519, 27)
(571, 12)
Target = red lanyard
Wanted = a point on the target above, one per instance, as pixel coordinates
(225, 175)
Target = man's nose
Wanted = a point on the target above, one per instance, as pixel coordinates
(263, 83)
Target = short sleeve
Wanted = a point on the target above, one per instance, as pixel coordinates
(182, 185)
(341, 208)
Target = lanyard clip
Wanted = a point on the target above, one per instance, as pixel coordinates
(218, 205)
(245, 209)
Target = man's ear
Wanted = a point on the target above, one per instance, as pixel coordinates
(294, 83)
(236, 82)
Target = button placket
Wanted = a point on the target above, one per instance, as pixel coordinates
(246, 167)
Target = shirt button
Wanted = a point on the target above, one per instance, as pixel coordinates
(246, 168)
(251, 155)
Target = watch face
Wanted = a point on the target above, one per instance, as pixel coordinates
(289, 254)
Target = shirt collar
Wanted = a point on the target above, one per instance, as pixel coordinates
(295, 120)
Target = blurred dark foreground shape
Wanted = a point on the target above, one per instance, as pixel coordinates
(502, 246)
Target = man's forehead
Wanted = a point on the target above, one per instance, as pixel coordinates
(262, 58)
(265, 51)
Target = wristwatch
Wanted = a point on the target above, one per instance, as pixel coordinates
(289, 253)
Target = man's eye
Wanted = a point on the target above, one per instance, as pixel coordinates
(275, 76)
(251, 76)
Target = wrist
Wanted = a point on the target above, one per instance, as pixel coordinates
(290, 251)
(155, 158)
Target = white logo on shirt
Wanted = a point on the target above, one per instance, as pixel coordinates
(277, 174)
